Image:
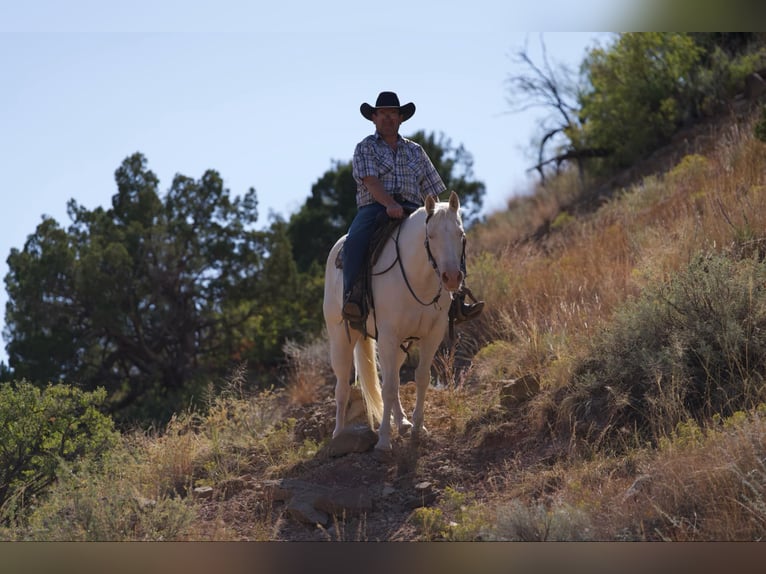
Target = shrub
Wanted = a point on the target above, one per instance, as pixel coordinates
(693, 347)
(641, 92)
(40, 429)
(459, 518)
(519, 522)
(110, 505)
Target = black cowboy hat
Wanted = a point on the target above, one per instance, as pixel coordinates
(388, 100)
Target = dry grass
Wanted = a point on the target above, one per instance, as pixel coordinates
(548, 300)
(309, 370)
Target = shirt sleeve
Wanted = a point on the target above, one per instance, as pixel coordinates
(431, 183)
(364, 163)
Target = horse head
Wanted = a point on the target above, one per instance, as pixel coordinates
(445, 240)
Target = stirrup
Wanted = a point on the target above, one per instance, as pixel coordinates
(460, 311)
(352, 311)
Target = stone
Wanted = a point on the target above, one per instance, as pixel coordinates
(314, 503)
(301, 508)
(344, 502)
(357, 438)
(276, 489)
(203, 492)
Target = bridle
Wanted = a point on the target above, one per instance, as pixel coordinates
(431, 260)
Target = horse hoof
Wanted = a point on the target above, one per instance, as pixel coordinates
(382, 453)
(404, 427)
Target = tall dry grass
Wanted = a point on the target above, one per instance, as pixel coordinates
(583, 298)
(546, 298)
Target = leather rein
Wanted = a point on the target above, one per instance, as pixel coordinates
(431, 260)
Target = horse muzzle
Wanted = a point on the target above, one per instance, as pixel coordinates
(452, 280)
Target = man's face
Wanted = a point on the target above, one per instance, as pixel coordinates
(387, 121)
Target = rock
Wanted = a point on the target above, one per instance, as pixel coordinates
(301, 508)
(344, 502)
(276, 489)
(203, 492)
(314, 503)
(356, 409)
(519, 390)
(357, 438)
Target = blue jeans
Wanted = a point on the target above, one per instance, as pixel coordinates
(358, 240)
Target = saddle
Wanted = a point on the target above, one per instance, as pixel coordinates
(384, 228)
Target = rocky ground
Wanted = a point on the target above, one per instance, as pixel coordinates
(349, 492)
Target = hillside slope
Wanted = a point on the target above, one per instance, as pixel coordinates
(585, 403)
(495, 467)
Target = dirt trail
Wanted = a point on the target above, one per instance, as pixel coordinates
(363, 496)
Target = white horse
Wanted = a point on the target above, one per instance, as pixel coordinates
(412, 280)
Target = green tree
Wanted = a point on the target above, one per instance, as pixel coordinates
(289, 304)
(43, 428)
(151, 298)
(324, 217)
(642, 90)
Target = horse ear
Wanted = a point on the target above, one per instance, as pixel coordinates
(430, 205)
(454, 201)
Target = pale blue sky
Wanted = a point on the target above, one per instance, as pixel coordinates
(268, 97)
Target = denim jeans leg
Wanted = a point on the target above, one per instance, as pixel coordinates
(357, 242)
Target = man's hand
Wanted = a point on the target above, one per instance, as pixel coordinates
(375, 187)
(395, 211)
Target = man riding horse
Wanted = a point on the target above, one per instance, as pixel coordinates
(394, 175)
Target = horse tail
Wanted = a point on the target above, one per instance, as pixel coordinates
(367, 372)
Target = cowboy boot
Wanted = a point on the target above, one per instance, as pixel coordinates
(462, 311)
(353, 310)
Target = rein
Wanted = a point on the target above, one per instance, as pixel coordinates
(431, 260)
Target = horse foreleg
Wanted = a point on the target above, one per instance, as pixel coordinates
(342, 392)
(400, 420)
(389, 362)
(384, 431)
(422, 380)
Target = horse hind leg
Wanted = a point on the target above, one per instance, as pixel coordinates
(341, 358)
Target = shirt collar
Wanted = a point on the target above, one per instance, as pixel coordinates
(379, 138)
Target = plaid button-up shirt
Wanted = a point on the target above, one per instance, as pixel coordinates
(408, 173)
